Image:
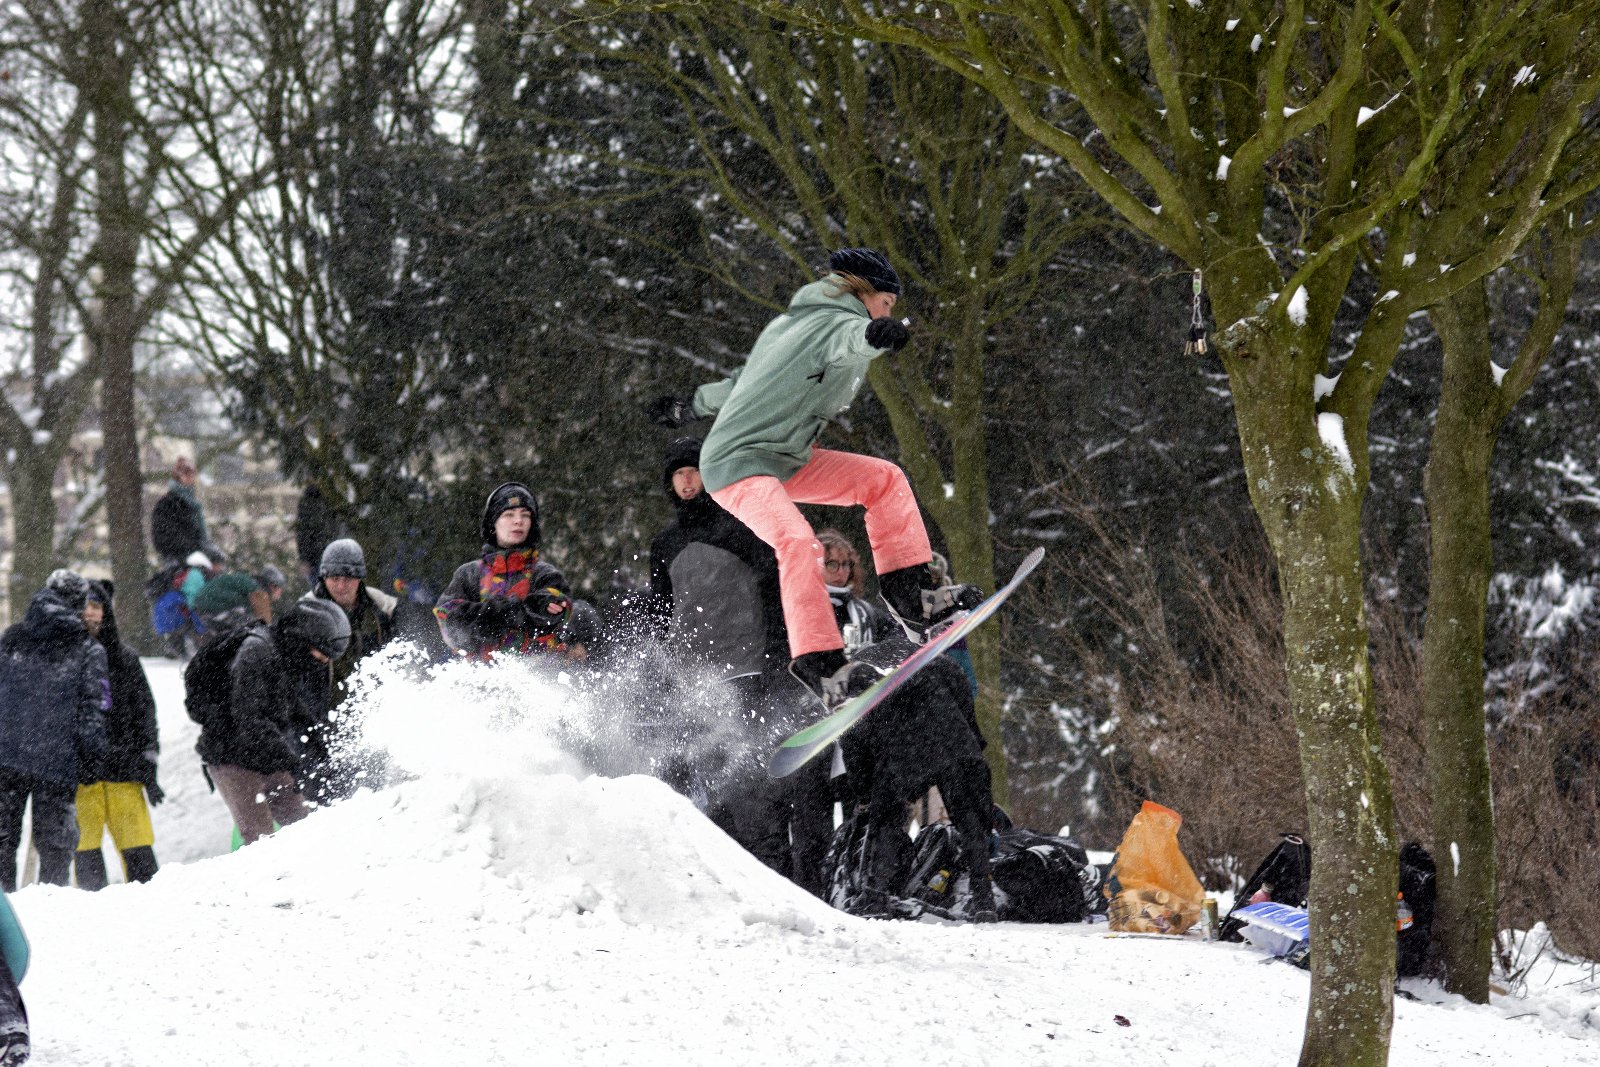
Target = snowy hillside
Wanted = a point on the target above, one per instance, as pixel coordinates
(498, 909)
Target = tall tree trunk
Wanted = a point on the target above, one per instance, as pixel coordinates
(115, 332)
(1309, 501)
(33, 514)
(1456, 486)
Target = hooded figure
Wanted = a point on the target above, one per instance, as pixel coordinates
(510, 599)
(117, 802)
(54, 693)
(278, 685)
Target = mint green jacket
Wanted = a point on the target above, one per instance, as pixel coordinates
(805, 368)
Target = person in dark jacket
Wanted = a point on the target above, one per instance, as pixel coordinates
(118, 801)
(54, 693)
(371, 613)
(236, 599)
(926, 735)
(278, 684)
(715, 601)
(509, 599)
(178, 523)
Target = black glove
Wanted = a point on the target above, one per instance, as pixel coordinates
(672, 411)
(888, 333)
(493, 617)
(155, 793)
(536, 609)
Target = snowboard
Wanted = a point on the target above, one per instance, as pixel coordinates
(799, 749)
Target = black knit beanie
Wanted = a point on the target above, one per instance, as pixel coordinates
(684, 452)
(506, 496)
(867, 264)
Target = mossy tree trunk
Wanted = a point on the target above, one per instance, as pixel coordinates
(1475, 398)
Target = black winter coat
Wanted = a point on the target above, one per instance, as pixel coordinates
(177, 525)
(714, 591)
(928, 726)
(277, 693)
(53, 696)
(131, 722)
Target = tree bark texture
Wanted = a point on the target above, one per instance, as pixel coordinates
(115, 332)
(1308, 496)
(1456, 485)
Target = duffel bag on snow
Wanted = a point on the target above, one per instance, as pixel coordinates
(1038, 878)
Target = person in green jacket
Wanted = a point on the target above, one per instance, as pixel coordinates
(759, 460)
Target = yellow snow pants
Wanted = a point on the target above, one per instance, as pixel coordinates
(118, 806)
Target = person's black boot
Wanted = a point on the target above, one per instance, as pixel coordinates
(91, 868)
(140, 863)
(919, 603)
(982, 907)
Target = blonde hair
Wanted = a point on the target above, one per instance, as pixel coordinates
(856, 286)
(841, 544)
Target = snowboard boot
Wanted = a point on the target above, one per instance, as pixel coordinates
(832, 677)
(140, 863)
(91, 868)
(919, 604)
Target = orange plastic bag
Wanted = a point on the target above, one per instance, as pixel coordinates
(1152, 888)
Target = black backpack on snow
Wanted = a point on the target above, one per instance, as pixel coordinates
(1417, 892)
(1039, 878)
(1285, 875)
(208, 679)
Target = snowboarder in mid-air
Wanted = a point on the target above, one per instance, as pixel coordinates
(759, 460)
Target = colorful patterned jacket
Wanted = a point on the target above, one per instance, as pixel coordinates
(497, 604)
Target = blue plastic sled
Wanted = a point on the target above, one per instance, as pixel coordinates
(13, 942)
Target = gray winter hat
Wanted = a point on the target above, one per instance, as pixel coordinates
(69, 586)
(342, 559)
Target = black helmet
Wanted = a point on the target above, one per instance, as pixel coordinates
(508, 495)
(319, 624)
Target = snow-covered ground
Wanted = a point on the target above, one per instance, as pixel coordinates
(501, 909)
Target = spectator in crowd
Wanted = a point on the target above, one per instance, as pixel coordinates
(370, 612)
(234, 599)
(128, 776)
(861, 622)
(714, 599)
(54, 693)
(178, 523)
(509, 599)
(276, 687)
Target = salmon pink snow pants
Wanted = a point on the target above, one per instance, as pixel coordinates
(767, 506)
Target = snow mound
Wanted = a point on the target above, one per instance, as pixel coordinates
(491, 803)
